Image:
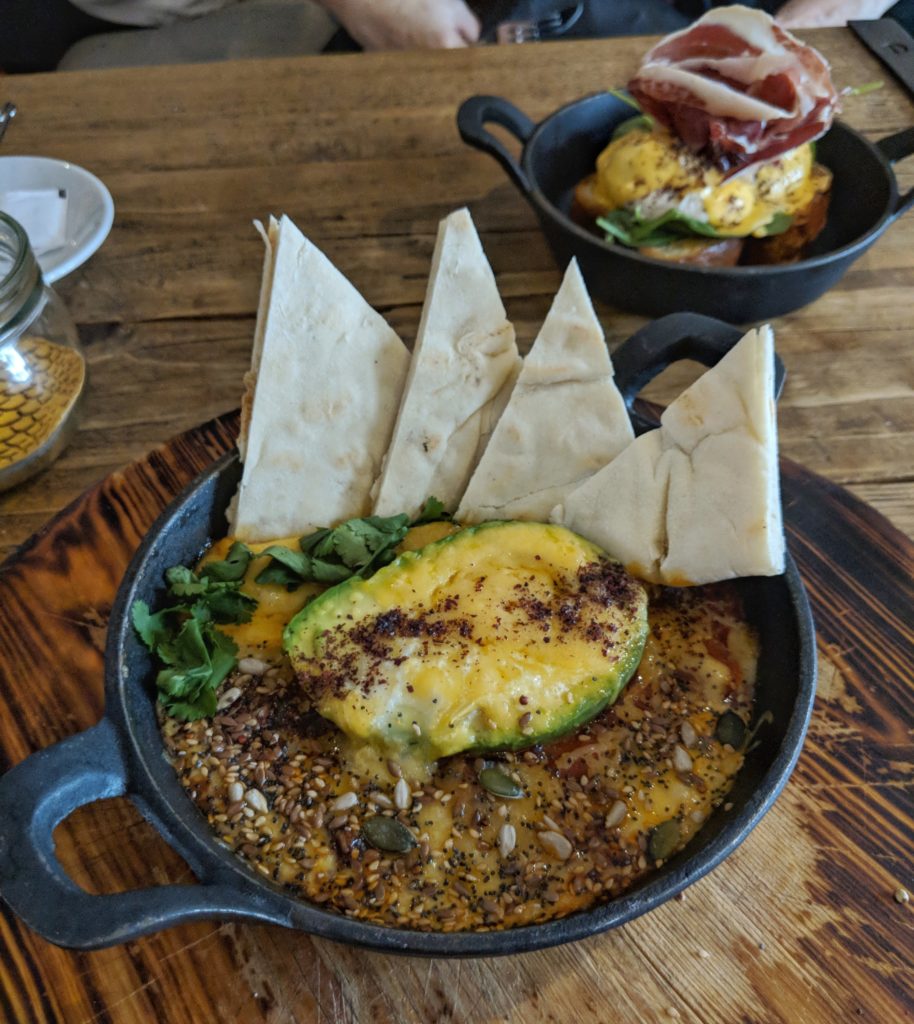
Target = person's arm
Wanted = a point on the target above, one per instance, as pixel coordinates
(826, 13)
(406, 24)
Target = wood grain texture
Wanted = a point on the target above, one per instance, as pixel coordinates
(799, 924)
(363, 152)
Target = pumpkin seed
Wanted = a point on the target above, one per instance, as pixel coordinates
(499, 784)
(388, 834)
(663, 839)
(731, 729)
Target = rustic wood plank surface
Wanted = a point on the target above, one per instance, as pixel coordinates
(799, 924)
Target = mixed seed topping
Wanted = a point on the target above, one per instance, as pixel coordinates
(473, 841)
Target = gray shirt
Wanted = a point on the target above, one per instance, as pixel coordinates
(148, 12)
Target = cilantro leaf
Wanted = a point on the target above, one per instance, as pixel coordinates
(196, 656)
(358, 541)
(357, 547)
(431, 512)
(232, 567)
(152, 626)
(229, 606)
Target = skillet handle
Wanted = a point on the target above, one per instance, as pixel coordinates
(894, 148)
(35, 796)
(663, 342)
(473, 116)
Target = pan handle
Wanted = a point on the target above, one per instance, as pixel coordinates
(894, 148)
(473, 116)
(35, 796)
(663, 342)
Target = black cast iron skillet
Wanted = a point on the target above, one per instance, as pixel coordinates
(562, 149)
(123, 754)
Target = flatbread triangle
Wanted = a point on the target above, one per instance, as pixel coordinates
(697, 500)
(326, 378)
(565, 418)
(464, 364)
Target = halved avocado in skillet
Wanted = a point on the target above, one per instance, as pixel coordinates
(495, 638)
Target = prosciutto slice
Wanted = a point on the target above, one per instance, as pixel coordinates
(737, 88)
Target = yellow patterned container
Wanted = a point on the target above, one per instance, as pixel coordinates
(42, 370)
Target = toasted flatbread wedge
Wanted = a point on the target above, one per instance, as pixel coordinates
(326, 377)
(564, 420)
(724, 505)
(464, 365)
(697, 500)
(622, 508)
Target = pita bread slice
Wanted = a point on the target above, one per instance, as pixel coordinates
(564, 420)
(697, 500)
(269, 236)
(724, 508)
(622, 508)
(327, 372)
(464, 365)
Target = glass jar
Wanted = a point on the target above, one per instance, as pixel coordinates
(42, 369)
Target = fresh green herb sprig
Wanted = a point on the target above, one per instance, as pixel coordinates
(196, 656)
(357, 547)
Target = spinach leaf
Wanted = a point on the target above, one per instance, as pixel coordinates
(628, 226)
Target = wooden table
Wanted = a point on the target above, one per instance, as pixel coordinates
(363, 153)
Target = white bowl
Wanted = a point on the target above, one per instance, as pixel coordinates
(90, 208)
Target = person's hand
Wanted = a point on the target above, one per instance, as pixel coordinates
(828, 13)
(406, 24)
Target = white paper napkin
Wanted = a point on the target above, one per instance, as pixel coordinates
(43, 214)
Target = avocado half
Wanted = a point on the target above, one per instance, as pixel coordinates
(495, 638)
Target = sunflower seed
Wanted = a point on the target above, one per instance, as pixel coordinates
(507, 839)
(681, 760)
(556, 843)
(228, 698)
(344, 802)
(252, 666)
(616, 814)
(402, 795)
(254, 798)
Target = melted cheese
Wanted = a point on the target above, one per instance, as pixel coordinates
(452, 647)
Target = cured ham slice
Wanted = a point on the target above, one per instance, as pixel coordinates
(737, 87)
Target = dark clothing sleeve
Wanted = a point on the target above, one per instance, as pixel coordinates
(37, 33)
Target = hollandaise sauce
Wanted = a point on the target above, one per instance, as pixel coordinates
(475, 840)
(652, 169)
